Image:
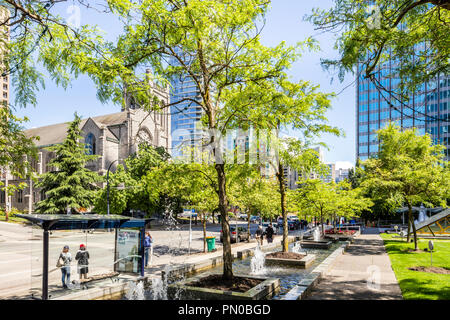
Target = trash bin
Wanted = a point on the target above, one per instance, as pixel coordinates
(211, 242)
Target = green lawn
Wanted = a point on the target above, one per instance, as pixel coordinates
(13, 219)
(416, 284)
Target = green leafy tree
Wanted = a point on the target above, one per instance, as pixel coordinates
(71, 185)
(128, 188)
(331, 200)
(193, 183)
(372, 32)
(317, 198)
(120, 191)
(409, 170)
(253, 193)
(350, 202)
(41, 38)
(14, 146)
(297, 155)
(142, 197)
(235, 75)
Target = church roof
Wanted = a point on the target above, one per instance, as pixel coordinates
(56, 133)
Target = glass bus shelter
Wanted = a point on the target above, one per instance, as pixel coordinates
(120, 252)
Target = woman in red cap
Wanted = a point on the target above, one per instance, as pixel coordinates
(83, 260)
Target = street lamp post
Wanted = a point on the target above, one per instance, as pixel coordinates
(107, 186)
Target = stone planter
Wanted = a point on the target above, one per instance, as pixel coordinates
(186, 291)
(303, 263)
(311, 244)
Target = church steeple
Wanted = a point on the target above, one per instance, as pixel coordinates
(129, 97)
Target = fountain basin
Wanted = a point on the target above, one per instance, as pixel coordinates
(186, 289)
(316, 244)
(303, 263)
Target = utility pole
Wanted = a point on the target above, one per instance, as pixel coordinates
(107, 186)
(30, 198)
(7, 205)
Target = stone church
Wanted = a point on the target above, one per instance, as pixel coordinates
(113, 137)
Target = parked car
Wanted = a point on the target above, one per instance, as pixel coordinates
(242, 216)
(292, 223)
(254, 219)
(242, 234)
(295, 221)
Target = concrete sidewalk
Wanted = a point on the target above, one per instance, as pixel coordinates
(363, 272)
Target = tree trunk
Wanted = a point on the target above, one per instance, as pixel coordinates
(321, 224)
(334, 223)
(415, 235)
(248, 225)
(408, 237)
(204, 231)
(223, 206)
(285, 243)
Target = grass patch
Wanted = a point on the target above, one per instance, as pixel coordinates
(416, 284)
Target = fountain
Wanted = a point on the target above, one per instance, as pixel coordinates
(258, 261)
(135, 291)
(159, 289)
(316, 234)
(316, 243)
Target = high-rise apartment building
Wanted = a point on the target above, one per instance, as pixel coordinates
(185, 115)
(428, 109)
(4, 98)
(4, 39)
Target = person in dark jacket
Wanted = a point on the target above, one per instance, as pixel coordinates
(82, 257)
(269, 233)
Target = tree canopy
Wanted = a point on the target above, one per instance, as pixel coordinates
(409, 170)
(414, 33)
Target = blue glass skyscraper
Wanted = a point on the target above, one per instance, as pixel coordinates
(427, 109)
(185, 115)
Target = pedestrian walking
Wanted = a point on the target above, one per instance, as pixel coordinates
(64, 260)
(260, 235)
(148, 240)
(82, 257)
(269, 234)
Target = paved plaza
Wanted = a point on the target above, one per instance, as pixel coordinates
(363, 272)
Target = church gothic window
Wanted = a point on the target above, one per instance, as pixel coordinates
(90, 144)
(144, 136)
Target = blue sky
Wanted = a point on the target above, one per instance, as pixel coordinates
(284, 22)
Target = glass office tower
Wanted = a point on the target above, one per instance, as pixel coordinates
(184, 115)
(427, 109)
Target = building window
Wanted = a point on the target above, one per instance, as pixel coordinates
(42, 195)
(19, 196)
(2, 196)
(90, 144)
